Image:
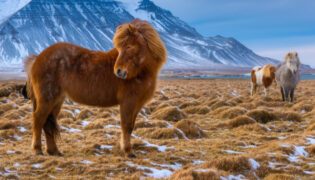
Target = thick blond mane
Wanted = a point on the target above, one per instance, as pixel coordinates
(143, 28)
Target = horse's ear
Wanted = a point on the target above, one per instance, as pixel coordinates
(131, 28)
(287, 56)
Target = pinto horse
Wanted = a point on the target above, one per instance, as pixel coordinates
(262, 76)
(125, 76)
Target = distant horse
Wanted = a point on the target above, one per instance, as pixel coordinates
(288, 75)
(125, 76)
(262, 76)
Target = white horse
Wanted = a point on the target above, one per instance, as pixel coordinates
(288, 75)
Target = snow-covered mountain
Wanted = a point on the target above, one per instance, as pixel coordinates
(92, 24)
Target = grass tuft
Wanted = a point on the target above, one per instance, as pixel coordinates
(168, 113)
(261, 116)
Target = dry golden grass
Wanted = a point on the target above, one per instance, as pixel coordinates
(279, 177)
(192, 129)
(168, 114)
(261, 116)
(240, 121)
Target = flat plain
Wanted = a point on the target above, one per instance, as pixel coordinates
(191, 129)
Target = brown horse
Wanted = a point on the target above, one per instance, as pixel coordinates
(125, 76)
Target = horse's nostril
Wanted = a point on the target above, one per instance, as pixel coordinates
(121, 73)
(124, 74)
(118, 71)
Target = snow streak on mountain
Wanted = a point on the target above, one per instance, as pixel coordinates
(92, 24)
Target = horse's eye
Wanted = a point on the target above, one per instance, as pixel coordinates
(128, 47)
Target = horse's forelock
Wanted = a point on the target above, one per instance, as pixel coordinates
(121, 36)
(147, 32)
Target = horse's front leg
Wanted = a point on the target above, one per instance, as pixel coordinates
(128, 114)
(266, 91)
(292, 95)
(282, 93)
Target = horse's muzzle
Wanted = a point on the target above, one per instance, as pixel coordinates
(121, 73)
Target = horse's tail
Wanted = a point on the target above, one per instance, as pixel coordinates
(28, 88)
(50, 127)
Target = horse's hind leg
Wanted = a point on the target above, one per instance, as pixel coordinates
(292, 95)
(39, 118)
(252, 88)
(282, 93)
(52, 131)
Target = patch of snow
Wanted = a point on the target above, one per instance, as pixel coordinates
(86, 162)
(293, 158)
(2, 143)
(37, 165)
(77, 111)
(268, 129)
(196, 162)
(162, 92)
(147, 144)
(10, 7)
(84, 123)
(303, 111)
(285, 145)
(309, 172)
(232, 152)
(109, 135)
(16, 164)
(174, 167)
(58, 169)
(281, 137)
(10, 152)
(17, 137)
(299, 151)
(160, 148)
(111, 126)
(254, 163)
(204, 170)
(234, 93)
(155, 173)
(70, 129)
(9, 172)
(311, 140)
(249, 146)
(182, 133)
(51, 176)
(232, 177)
(106, 147)
(22, 129)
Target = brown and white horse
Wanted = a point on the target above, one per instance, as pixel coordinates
(262, 76)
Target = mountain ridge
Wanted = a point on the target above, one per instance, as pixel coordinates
(91, 24)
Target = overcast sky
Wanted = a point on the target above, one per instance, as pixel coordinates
(269, 27)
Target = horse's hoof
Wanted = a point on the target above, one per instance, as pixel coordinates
(55, 153)
(131, 155)
(39, 153)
